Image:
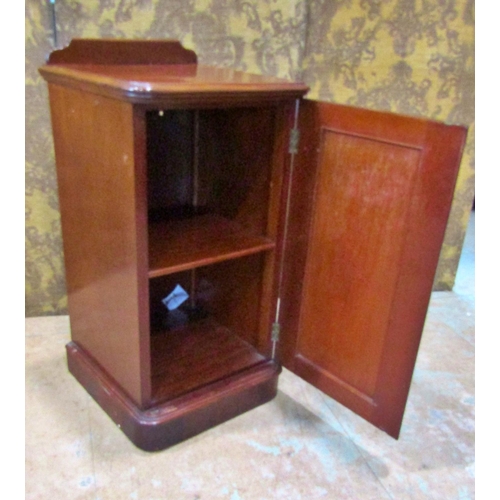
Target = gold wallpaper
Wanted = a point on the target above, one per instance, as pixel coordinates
(410, 56)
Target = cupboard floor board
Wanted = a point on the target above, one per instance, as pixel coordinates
(196, 355)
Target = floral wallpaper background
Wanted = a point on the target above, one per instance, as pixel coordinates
(409, 56)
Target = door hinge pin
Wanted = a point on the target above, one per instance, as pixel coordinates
(275, 332)
(275, 335)
(293, 146)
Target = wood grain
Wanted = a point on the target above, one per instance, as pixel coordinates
(235, 294)
(174, 421)
(363, 255)
(362, 192)
(101, 172)
(194, 355)
(115, 51)
(371, 194)
(174, 86)
(178, 245)
(118, 165)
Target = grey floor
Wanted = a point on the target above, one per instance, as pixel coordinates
(302, 445)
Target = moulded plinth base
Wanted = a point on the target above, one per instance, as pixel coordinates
(173, 421)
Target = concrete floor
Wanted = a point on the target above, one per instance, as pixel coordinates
(302, 445)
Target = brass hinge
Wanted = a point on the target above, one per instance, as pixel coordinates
(293, 146)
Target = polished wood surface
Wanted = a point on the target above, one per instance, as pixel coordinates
(235, 293)
(170, 154)
(230, 292)
(234, 185)
(235, 176)
(101, 173)
(177, 245)
(235, 180)
(174, 421)
(369, 248)
(364, 186)
(195, 355)
(115, 51)
(158, 188)
(173, 85)
(174, 173)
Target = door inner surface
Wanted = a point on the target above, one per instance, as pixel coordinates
(380, 187)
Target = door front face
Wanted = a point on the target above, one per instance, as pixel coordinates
(380, 189)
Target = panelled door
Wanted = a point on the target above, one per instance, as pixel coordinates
(371, 194)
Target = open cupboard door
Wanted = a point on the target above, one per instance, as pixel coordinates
(370, 198)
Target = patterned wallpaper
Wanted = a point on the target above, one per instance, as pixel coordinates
(410, 56)
(45, 290)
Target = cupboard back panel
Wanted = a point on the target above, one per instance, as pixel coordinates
(229, 293)
(159, 289)
(234, 289)
(236, 148)
(170, 160)
(211, 161)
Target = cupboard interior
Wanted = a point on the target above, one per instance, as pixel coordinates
(210, 244)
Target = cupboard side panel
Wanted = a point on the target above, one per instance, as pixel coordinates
(95, 153)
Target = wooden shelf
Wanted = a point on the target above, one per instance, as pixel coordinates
(179, 245)
(194, 356)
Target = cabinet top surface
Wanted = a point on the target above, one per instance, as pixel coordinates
(168, 78)
(147, 71)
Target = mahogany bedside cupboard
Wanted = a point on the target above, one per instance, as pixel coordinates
(206, 245)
